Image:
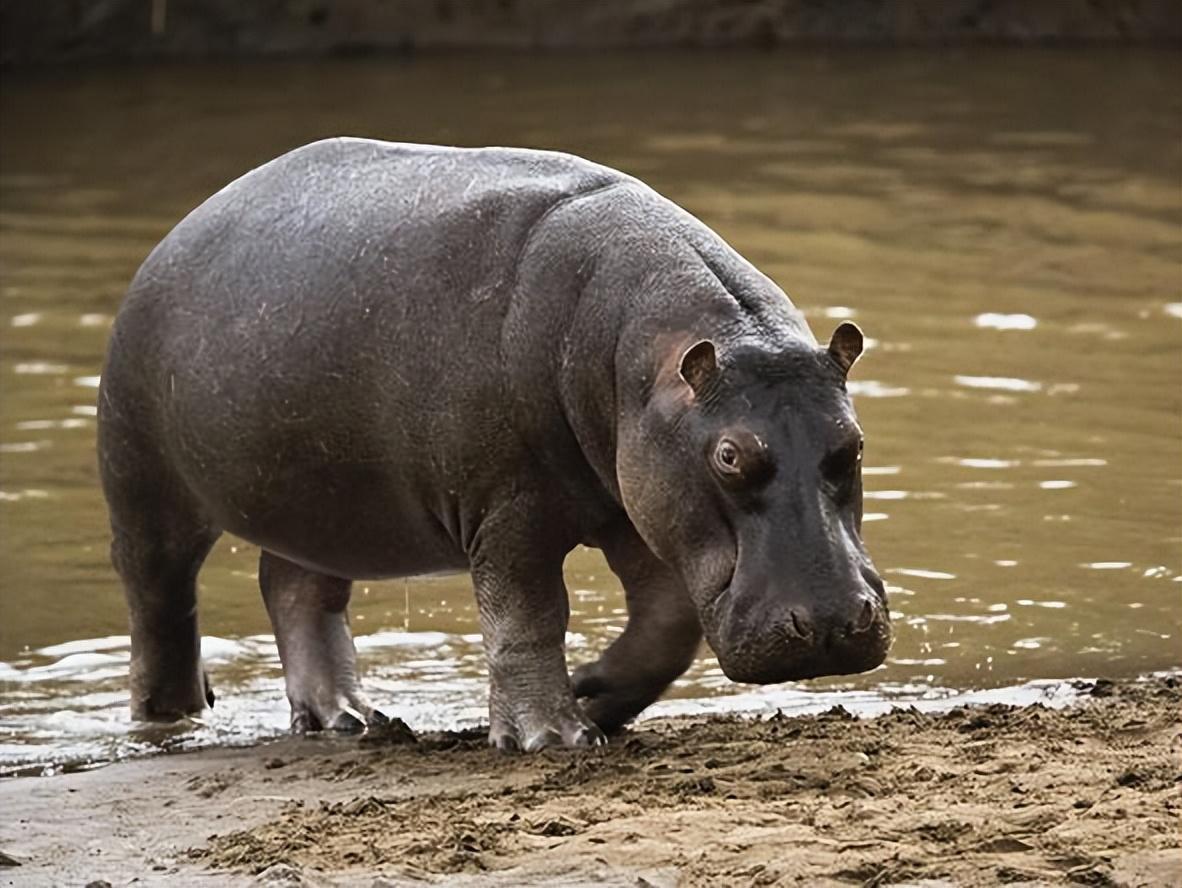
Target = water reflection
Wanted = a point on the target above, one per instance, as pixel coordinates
(995, 321)
(1007, 229)
(871, 388)
(1002, 383)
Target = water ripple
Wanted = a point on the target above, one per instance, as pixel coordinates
(1000, 383)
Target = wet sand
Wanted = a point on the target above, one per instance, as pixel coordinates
(1089, 795)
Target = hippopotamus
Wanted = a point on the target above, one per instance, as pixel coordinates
(379, 360)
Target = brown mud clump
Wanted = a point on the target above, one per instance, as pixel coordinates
(1087, 795)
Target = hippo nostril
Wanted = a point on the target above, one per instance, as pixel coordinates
(874, 581)
(863, 621)
(800, 624)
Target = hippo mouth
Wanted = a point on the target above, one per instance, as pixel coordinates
(769, 645)
(716, 592)
(794, 659)
(716, 598)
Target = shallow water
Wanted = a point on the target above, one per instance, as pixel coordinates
(1005, 225)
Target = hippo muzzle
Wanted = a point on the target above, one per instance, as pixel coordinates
(764, 637)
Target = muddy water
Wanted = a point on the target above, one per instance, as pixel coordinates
(1007, 227)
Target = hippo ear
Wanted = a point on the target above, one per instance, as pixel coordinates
(699, 365)
(845, 345)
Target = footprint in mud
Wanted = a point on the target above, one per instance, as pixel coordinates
(209, 785)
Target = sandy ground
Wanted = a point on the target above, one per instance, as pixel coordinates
(1089, 795)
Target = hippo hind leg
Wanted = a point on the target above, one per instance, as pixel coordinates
(309, 613)
(159, 541)
(657, 646)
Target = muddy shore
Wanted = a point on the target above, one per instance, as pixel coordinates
(1088, 795)
(58, 30)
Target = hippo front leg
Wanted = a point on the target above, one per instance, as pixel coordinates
(658, 644)
(523, 615)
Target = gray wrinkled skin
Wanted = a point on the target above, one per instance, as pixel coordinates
(379, 360)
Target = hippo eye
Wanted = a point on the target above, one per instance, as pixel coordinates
(841, 466)
(740, 460)
(727, 456)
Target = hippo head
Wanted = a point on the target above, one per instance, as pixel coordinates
(743, 472)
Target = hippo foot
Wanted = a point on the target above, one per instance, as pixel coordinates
(611, 703)
(530, 731)
(351, 715)
(167, 697)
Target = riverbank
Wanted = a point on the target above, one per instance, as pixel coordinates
(1088, 794)
(57, 31)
